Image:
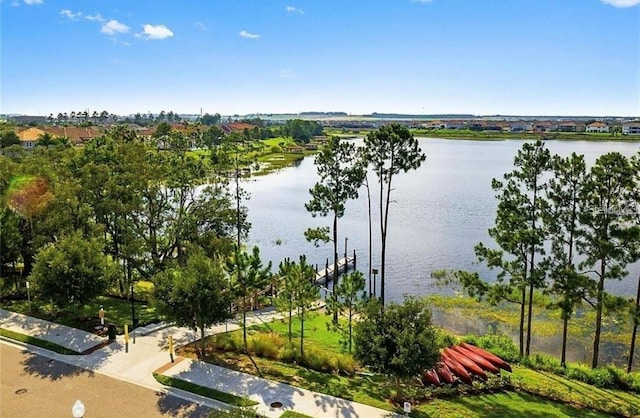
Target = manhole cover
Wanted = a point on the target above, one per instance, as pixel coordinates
(20, 391)
(276, 404)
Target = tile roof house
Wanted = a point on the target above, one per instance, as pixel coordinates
(597, 127)
(567, 126)
(29, 137)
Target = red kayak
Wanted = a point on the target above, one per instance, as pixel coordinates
(495, 360)
(469, 364)
(457, 369)
(445, 373)
(478, 359)
(431, 377)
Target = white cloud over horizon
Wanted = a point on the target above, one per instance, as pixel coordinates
(621, 3)
(113, 27)
(292, 9)
(32, 2)
(156, 32)
(249, 35)
(70, 15)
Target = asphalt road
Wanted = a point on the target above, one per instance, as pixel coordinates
(35, 386)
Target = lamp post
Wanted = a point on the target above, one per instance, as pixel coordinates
(28, 295)
(375, 272)
(78, 409)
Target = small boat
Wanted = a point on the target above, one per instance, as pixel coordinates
(468, 364)
(445, 373)
(478, 359)
(457, 369)
(495, 360)
(431, 377)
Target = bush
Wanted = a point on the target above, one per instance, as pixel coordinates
(266, 345)
(287, 353)
(275, 149)
(500, 345)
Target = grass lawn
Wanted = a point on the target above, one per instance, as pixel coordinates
(204, 391)
(532, 391)
(316, 332)
(291, 414)
(117, 311)
(36, 341)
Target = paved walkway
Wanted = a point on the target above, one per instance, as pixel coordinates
(67, 337)
(150, 353)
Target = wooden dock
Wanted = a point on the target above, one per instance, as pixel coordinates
(344, 265)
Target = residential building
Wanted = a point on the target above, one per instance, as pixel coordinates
(29, 137)
(631, 128)
(597, 127)
(567, 126)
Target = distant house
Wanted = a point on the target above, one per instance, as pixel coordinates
(521, 126)
(228, 128)
(597, 127)
(543, 126)
(29, 137)
(631, 128)
(567, 126)
(75, 135)
(454, 124)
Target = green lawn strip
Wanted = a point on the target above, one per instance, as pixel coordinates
(117, 311)
(316, 332)
(36, 341)
(499, 405)
(291, 414)
(562, 397)
(578, 393)
(204, 391)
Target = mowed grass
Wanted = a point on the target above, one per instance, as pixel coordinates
(500, 405)
(117, 311)
(316, 332)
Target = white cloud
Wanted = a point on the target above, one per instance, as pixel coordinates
(113, 27)
(621, 3)
(95, 18)
(248, 35)
(156, 32)
(70, 15)
(201, 26)
(291, 9)
(32, 2)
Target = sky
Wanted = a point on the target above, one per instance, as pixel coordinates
(483, 57)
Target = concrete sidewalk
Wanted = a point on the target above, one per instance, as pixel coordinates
(67, 337)
(150, 353)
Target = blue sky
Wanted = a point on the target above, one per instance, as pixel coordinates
(525, 57)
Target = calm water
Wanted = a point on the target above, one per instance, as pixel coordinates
(442, 210)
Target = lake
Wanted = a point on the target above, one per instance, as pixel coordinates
(440, 212)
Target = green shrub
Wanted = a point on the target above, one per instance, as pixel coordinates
(275, 149)
(346, 365)
(266, 345)
(500, 345)
(288, 353)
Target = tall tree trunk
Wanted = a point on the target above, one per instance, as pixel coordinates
(290, 321)
(302, 334)
(565, 326)
(202, 343)
(334, 295)
(532, 266)
(596, 339)
(384, 237)
(370, 234)
(635, 330)
(523, 303)
(244, 323)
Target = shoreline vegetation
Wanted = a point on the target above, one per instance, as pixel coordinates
(465, 134)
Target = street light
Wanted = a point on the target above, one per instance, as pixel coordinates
(78, 409)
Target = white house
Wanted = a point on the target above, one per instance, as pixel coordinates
(597, 127)
(631, 128)
(29, 137)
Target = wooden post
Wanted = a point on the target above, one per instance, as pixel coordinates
(326, 274)
(354, 259)
(345, 250)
